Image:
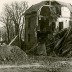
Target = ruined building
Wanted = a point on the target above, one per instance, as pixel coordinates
(44, 18)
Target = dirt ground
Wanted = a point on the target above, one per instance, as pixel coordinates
(35, 70)
(59, 66)
(13, 59)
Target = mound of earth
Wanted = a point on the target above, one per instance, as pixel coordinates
(12, 55)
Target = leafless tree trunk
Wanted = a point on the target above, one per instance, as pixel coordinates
(13, 13)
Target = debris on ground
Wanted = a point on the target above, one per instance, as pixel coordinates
(59, 44)
(63, 46)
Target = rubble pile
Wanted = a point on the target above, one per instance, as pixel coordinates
(60, 44)
(12, 55)
(63, 46)
(50, 43)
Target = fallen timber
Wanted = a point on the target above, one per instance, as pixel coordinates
(61, 44)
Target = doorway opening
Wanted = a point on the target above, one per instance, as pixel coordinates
(60, 25)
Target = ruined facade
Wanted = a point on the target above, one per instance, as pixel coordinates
(44, 18)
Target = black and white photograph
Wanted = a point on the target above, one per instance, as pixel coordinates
(35, 35)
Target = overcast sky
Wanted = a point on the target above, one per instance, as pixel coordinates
(30, 2)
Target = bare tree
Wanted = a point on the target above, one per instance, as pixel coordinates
(5, 20)
(13, 14)
(15, 11)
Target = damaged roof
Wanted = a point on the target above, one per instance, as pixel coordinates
(35, 8)
(68, 5)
